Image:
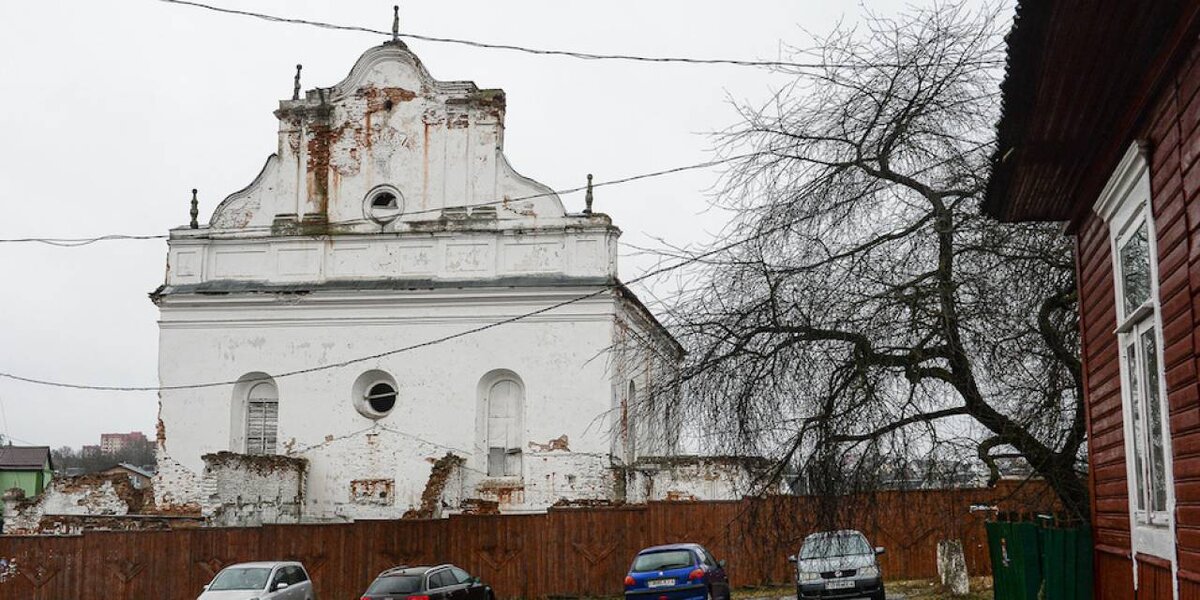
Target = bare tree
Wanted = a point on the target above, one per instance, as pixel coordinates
(873, 312)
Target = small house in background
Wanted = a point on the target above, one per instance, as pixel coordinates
(27, 468)
(1101, 130)
(138, 477)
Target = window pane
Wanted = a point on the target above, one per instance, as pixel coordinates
(253, 578)
(395, 584)
(1135, 269)
(662, 561)
(441, 579)
(1135, 405)
(512, 462)
(1154, 428)
(495, 465)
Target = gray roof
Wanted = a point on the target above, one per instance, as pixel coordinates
(135, 469)
(22, 458)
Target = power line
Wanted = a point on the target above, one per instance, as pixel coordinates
(565, 53)
(84, 241)
(491, 46)
(76, 242)
(433, 342)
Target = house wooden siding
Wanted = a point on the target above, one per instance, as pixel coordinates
(1084, 82)
(1172, 131)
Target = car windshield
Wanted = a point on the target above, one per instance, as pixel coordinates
(396, 584)
(661, 561)
(827, 546)
(249, 578)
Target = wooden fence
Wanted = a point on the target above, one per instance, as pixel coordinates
(563, 553)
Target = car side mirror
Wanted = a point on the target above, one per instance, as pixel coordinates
(879, 550)
(722, 563)
(205, 588)
(281, 585)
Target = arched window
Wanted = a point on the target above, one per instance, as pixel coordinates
(503, 405)
(262, 418)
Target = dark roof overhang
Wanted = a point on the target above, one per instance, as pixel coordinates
(1079, 79)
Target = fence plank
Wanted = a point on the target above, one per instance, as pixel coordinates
(572, 552)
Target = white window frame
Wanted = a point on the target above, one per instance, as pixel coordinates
(1125, 206)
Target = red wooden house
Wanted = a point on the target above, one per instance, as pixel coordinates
(1101, 129)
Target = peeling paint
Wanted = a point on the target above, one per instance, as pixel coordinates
(559, 443)
(378, 492)
(431, 498)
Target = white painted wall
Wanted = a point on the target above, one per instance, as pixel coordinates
(294, 272)
(560, 357)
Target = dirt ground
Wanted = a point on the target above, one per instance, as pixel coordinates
(981, 589)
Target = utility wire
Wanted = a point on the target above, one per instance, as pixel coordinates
(84, 241)
(433, 342)
(566, 53)
(76, 242)
(490, 46)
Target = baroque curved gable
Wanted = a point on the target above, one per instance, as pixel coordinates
(436, 147)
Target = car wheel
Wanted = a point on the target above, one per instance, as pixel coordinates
(880, 595)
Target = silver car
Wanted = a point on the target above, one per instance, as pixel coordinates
(278, 580)
(838, 564)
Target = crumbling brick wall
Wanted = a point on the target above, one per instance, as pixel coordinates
(176, 488)
(93, 495)
(243, 490)
(694, 478)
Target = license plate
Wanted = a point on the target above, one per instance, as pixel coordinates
(839, 584)
(660, 583)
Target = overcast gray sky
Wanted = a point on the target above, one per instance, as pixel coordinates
(111, 111)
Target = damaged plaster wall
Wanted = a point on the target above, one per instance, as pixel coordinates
(176, 488)
(94, 495)
(242, 490)
(438, 407)
(695, 478)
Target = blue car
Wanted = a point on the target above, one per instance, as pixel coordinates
(676, 572)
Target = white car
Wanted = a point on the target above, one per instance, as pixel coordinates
(260, 581)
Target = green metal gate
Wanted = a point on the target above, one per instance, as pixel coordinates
(1040, 560)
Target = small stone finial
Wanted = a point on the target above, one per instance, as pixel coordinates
(195, 211)
(296, 84)
(396, 23)
(587, 198)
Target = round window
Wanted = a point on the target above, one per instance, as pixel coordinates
(381, 397)
(383, 204)
(374, 394)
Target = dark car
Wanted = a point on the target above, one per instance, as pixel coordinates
(838, 564)
(676, 572)
(443, 582)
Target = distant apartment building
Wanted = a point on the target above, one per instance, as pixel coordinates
(111, 443)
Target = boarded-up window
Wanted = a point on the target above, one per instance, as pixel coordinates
(262, 418)
(504, 406)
